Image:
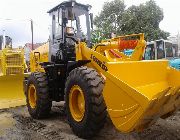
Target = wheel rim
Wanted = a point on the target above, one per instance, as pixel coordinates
(77, 103)
(32, 96)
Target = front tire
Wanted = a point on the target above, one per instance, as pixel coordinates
(85, 106)
(37, 96)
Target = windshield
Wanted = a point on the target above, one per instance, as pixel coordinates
(160, 49)
(8, 42)
(79, 26)
(149, 52)
(82, 26)
(169, 49)
(175, 50)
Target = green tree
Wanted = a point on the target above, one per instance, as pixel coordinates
(97, 36)
(144, 18)
(109, 19)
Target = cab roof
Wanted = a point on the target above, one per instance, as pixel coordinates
(69, 4)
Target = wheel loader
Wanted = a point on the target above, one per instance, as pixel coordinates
(98, 79)
(11, 74)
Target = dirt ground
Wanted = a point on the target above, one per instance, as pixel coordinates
(16, 124)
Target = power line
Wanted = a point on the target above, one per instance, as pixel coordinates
(39, 26)
(9, 19)
(29, 20)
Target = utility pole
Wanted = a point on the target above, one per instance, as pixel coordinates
(32, 34)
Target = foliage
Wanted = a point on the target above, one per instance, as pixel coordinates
(96, 36)
(109, 18)
(144, 18)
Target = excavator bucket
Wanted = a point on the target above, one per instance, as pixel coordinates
(11, 78)
(136, 97)
(11, 91)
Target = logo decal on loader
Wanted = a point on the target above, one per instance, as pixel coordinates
(101, 64)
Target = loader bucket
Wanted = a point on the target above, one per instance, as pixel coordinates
(11, 91)
(137, 93)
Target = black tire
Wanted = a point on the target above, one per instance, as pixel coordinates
(43, 102)
(95, 114)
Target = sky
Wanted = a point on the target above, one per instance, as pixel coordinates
(15, 17)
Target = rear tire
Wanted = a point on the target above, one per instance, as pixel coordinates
(37, 96)
(91, 84)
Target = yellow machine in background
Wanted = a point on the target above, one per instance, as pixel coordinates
(11, 75)
(96, 79)
(37, 56)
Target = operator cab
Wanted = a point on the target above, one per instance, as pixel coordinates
(5, 42)
(70, 23)
(150, 51)
(164, 49)
(159, 49)
(170, 52)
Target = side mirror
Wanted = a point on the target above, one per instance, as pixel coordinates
(91, 18)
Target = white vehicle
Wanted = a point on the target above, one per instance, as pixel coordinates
(162, 49)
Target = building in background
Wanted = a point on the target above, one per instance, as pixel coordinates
(28, 48)
(176, 43)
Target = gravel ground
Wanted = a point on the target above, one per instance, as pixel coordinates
(16, 124)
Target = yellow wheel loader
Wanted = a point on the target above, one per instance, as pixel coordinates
(94, 80)
(11, 74)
